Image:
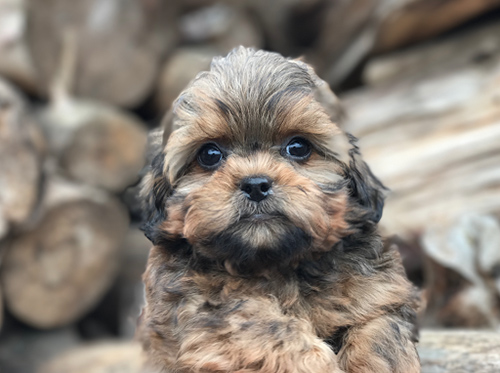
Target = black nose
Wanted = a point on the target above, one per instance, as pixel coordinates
(256, 188)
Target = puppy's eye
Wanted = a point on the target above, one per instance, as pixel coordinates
(298, 149)
(210, 156)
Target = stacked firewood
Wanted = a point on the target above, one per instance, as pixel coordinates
(82, 83)
(68, 152)
(429, 124)
(61, 222)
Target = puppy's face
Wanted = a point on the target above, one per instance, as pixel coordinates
(255, 172)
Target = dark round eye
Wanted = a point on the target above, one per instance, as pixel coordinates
(210, 156)
(298, 149)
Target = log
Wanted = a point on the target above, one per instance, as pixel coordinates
(60, 267)
(462, 273)
(21, 147)
(1, 308)
(102, 357)
(289, 26)
(455, 51)
(222, 27)
(459, 351)
(15, 64)
(434, 142)
(353, 30)
(410, 21)
(182, 67)
(25, 349)
(95, 144)
(119, 45)
(107, 150)
(347, 35)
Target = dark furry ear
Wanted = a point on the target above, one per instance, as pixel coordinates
(366, 189)
(155, 186)
(155, 191)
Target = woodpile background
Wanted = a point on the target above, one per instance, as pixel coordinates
(82, 83)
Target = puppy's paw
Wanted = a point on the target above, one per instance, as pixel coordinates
(319, 359)
(286, 357)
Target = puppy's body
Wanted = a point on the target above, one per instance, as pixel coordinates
(263, 218)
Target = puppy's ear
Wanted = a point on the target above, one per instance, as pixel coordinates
(155, 191)
(365, 188)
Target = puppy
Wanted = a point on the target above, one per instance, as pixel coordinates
(263, 218)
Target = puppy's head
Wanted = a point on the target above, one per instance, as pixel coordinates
(254, 170)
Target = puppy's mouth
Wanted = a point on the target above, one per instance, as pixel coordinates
(262, 217)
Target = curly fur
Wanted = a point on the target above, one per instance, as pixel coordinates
(310, 290)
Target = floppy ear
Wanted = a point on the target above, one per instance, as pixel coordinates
(155, 191)
(365, 188)
(155, 186)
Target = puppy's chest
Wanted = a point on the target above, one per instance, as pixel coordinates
(327, 306)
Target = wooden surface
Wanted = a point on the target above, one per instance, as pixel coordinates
(103, 357)
(459, 351)
(441, 351)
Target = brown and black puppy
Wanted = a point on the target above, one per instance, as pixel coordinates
(263, 217)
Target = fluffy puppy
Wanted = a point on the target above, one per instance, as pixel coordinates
(263, 217)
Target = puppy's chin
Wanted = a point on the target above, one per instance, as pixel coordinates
(258, 241)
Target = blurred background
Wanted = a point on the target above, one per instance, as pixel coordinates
(83, 88)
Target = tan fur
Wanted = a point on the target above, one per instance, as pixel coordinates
(310, 290)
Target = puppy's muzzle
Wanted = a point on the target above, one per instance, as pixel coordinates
(256, 188)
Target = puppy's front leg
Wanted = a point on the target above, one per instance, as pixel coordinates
(382, 345)
(247, 336)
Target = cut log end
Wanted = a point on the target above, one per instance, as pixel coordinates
(65, 264)
(108, 152)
